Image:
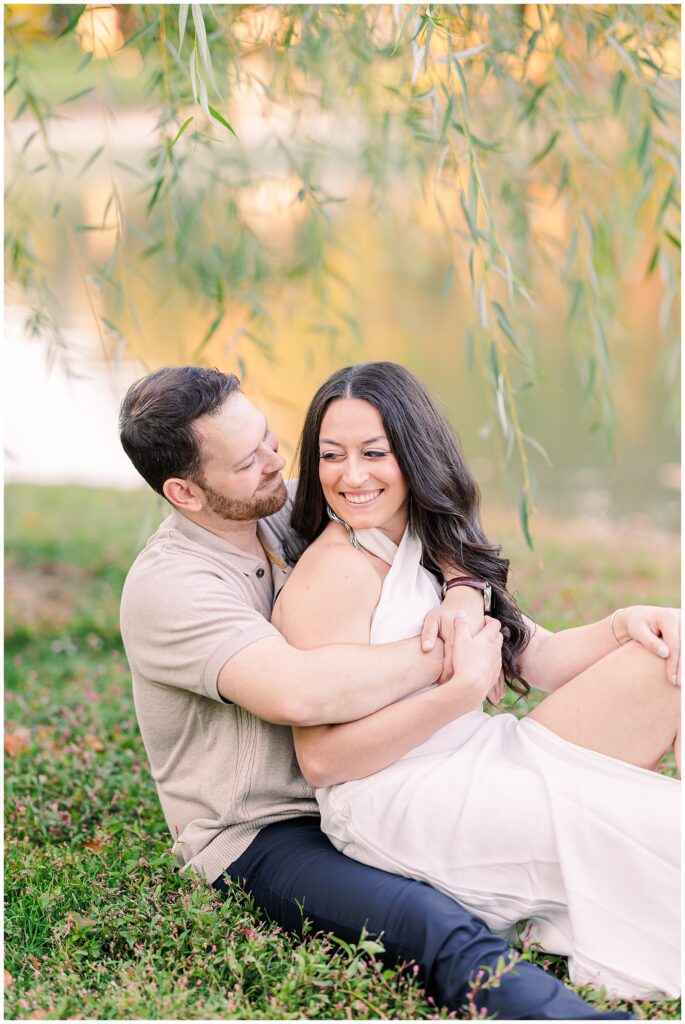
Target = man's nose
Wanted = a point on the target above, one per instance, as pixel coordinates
(276, 461)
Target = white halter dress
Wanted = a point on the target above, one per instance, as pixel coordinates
(518, 824)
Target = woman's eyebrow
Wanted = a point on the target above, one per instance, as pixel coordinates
(328, 440)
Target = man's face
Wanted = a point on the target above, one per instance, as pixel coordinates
(241, 474)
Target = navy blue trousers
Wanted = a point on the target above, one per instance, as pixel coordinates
(292, 870)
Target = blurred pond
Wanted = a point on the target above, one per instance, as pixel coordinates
(398, 304)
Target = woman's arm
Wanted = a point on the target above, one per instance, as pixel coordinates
(331, 600)
(329, 754)
(552, 659)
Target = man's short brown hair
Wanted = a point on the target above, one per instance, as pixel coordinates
(157, 416)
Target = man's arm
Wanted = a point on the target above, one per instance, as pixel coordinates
(336, 683)
(331, 599)
(329, 754)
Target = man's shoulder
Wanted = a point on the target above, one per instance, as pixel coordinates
(172, 570)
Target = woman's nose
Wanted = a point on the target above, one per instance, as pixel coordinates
(356, 472)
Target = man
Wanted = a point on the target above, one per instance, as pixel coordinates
(217, 688)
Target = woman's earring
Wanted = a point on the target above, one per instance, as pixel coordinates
(350, 532)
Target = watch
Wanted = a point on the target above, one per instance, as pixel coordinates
(468, 581)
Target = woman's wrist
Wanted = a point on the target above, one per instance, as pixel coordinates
(618, 627)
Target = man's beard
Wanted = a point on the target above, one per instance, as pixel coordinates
(242, 511)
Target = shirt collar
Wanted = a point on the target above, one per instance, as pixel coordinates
(199, 535)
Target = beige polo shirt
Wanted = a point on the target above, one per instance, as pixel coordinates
(190, 602)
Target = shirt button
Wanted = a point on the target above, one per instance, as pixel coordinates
(260, 573)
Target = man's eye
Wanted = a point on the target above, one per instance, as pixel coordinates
(250, 463)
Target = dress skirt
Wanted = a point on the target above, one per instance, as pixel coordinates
(518, 824)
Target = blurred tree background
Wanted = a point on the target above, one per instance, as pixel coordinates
(489, 194)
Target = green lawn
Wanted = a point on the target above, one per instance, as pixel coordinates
(98, 924)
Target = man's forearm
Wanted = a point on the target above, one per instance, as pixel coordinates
(323, 685)
(344, 682)
(330, 754)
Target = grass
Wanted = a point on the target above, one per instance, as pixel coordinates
(98, 924)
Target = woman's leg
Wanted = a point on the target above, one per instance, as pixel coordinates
(623, 706)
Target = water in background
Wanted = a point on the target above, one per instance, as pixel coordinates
(61, 428)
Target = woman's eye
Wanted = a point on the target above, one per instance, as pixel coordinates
(375, 454)
(329, 456)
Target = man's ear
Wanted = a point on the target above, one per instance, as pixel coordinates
(183, 494)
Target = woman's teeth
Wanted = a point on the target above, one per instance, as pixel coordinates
(362, 499)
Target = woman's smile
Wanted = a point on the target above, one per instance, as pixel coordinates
(361, 497)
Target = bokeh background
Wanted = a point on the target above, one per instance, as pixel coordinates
(488, 194)
(393, 175)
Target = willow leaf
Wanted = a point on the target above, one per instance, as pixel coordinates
(533, 102)
(219, 117)
(617, 90)
(668, 198)
(182, 19)
(137, 37)
(213, 328)
(78, 95)
(547, 148)
(155, 194)
(525, 521)
(505, 326)
(653, 260)
(179, 133)
(73, 21)
(536, 444)
(201, 38)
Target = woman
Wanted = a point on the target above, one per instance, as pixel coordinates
(559, 818)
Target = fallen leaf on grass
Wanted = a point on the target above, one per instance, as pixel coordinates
(94, 743)
(8, 978)
(93, 844)
(14, 743)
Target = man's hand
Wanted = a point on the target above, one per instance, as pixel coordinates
(440, 622)
(477, 660)
(657, 629)
(495, 694)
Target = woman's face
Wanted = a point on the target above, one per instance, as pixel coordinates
(359, 474)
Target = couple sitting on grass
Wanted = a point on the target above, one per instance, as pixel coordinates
(309, 668)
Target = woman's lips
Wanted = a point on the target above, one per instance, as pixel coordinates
(361, 499)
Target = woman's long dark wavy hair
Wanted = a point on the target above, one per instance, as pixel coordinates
(444, 510)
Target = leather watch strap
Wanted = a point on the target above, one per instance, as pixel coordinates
(470, 581)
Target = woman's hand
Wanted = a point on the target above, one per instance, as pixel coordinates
(477, 660)
(440, 622)
(657, 629)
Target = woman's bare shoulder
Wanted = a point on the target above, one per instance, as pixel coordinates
(332, 551)
(330, 595)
